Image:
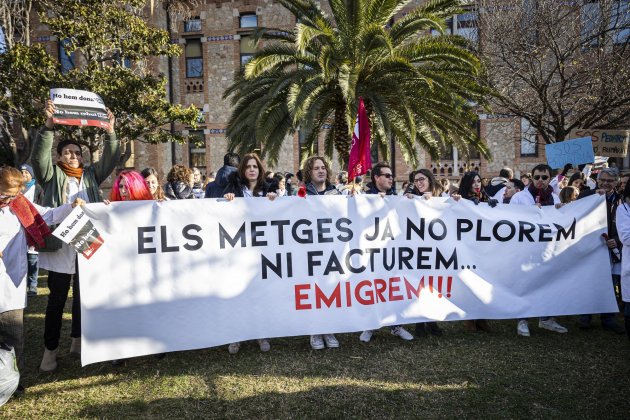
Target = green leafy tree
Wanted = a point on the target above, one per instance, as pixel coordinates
(417, 89)
(112, 48)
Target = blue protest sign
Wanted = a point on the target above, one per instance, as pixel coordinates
(575, 151)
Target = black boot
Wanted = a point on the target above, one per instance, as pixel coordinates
(434, 329)
(420, 330)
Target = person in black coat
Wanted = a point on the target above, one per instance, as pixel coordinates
(248, 181)
(215, 188)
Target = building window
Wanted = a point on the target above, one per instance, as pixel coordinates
(194, 58)
(201, 118)
(123, 62)
(197, 145)
(446, 151)
(529, 145)
(248, 48)
(447, 31)
(467, 26)
(65, 60)
(249, 20)
(193, 25)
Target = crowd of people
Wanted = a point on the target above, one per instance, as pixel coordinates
(35, 198)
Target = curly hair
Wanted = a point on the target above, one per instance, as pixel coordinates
(310, 164)
(10, 178)
(179, 173)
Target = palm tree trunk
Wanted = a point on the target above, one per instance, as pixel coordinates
(342, 135)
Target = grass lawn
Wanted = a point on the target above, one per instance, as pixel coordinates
(582, 374)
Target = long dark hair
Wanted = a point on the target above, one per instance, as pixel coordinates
(465, 186)
(433, 188)
(242, 167)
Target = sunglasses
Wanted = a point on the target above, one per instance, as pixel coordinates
(543, 177)
(388, 176)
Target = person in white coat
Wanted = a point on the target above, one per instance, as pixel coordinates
(21, 224)
(538, 193)
(623, 230)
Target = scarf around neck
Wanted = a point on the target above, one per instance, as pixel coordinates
(544, 197)
(71, 172)
(30, 219)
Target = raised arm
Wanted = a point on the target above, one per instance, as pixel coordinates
(111, 152)
(42, 148)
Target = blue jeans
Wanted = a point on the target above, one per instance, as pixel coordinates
(33, 271)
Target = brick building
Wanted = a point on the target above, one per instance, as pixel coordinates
(217, 40)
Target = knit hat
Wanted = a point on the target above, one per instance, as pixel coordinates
(29, 168)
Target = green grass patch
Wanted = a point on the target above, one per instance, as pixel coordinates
(582, 374)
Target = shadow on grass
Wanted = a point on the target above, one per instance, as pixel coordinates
(580, 374)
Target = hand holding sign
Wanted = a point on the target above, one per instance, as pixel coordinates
(576, 151)
(78, 107)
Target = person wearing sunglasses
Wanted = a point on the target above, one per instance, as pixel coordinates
(382, 180)
(538, 193)
(382, 184)
(22, 224)
(63, 179)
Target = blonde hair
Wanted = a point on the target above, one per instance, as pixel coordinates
(10, 178)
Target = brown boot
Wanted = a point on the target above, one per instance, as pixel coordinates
(482, 325)
(470, 325)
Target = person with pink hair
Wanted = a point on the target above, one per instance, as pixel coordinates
(130, 185)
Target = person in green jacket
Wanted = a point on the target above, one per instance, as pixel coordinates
(63, 181)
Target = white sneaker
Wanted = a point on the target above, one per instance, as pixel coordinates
(552, 325)
(317, 342)
(264, 345)
(366, 336)
(402, 333)
(522, 328)
(233, 348)
(331, 341)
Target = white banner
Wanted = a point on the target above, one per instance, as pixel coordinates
(188, 274)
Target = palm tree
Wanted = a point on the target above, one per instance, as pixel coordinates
(417, 89)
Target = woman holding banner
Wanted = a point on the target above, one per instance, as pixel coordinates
(129, 185)
(425, 185)
(22, 224)
(152, 180)
(470, 188)
(248, 181)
